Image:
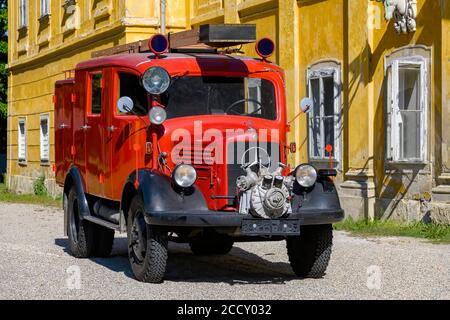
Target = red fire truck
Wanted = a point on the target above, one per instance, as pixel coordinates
(179, 139)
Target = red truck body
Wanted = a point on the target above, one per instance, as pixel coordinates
(106, 158)
(189, 147)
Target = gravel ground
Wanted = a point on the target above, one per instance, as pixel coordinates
(34, 264)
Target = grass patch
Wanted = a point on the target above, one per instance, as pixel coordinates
(42, 199)
(433, 232)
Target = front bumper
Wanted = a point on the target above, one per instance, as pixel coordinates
(231, 219)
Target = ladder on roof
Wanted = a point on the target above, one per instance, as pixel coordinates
(207, 38)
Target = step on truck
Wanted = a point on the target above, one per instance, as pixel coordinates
(183, 139)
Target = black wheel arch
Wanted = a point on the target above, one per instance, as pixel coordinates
(73, 178)
(159, 194)
(322, 196)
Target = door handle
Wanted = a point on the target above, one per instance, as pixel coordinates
(111, 129)
(85, 127)
(63, 126)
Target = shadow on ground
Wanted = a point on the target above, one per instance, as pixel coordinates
(238, 267)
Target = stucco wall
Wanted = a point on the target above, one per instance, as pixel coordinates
(353, 34)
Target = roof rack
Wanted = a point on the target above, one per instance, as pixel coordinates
(205, 39)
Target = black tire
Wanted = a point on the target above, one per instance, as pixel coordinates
(80, 232)
(309, 254)
(147, 245)
(103, 241)
(210, 243)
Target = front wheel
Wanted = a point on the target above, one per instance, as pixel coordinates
(309, 253)
(147, 245)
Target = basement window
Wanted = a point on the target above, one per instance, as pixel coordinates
(324, 119)
(44, 139)
(406, 110)
(22, 141)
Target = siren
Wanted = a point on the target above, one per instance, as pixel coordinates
(265, 47)
(158, 44)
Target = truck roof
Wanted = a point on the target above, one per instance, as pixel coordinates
(142, 61)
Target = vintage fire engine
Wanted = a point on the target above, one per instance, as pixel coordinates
(180, 140)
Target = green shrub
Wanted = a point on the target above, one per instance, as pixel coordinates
(39, 186)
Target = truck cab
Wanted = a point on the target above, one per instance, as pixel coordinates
(187, 144)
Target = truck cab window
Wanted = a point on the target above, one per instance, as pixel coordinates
(129, 85)
(250, 97)
(96, 90)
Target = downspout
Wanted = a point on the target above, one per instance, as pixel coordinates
(163, 16)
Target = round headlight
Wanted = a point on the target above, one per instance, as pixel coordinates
(306, 175)
(157, 115)
(156, 80)
(184, 175)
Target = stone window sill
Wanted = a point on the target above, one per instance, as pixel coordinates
(44, 19)
(22, 31)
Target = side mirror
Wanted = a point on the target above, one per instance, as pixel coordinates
(306, 104)
(125, 105)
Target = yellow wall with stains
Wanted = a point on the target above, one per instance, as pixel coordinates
(40, 53)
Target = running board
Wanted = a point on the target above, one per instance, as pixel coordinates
(102, 222)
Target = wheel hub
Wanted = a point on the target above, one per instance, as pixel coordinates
(139, 237)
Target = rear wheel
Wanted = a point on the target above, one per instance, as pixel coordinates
(80, 232)
(210, 243)
(147, 245)
(309, 253)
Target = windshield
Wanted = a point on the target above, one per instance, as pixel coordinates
(192, 96)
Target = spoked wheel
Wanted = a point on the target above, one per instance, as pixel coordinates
(81, 232)
(138, 237)
(147, 245)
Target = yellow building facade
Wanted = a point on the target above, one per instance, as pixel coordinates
(382, 98)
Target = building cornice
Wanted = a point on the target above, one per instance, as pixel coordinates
(64, 48)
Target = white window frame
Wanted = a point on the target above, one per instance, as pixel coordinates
(23, 14)
(45, 157)
(44, 7)
(318, 72)
(22, 159)
(393, 109)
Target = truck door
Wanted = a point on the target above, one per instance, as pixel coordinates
(127, 134)
(94, 132)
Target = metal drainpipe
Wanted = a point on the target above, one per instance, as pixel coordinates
(163, 16)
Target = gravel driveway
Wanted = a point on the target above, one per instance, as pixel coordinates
(34, 264)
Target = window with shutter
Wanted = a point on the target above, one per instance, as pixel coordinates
(22, 141)
(406, 110)
(44, 139)
(325, 117)
(45, 7)
(23, 13)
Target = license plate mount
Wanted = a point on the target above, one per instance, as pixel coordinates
(270, 227)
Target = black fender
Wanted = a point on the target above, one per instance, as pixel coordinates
(73, 178)
(160, 195)
(319, 199)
